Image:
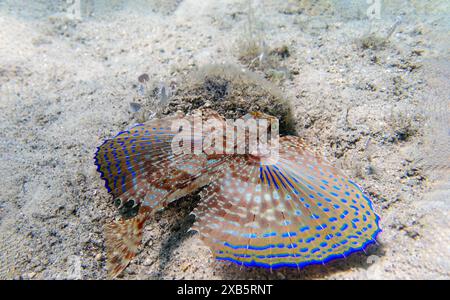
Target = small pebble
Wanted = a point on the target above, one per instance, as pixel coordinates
(30, 275)
(143, 78)
(369, 170)
(412, 234)
(135, 107)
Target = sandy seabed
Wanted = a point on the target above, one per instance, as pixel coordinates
(378, 107)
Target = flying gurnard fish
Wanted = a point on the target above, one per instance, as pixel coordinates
(295, 212)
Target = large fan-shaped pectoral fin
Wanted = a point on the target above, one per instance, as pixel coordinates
(296, 212)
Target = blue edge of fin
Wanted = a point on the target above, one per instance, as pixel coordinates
(257, 264)
(307, 263)
(102, 175)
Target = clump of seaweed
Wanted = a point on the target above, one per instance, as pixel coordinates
(150, 99)
(374, 41)
(253, 49)
(401, 126)
(253, 53)
(308, 7)
(232, 92)
(164, 7)
(256, 55)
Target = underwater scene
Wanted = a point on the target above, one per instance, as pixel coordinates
(232, 139)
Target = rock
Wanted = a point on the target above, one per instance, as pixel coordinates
(29, 275)
(143, 78)
(135, 107)
(412, 234)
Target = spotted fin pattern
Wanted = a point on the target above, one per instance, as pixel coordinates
(297, 212)
(123, 239)
(143, 174)
(138, 165)
(126, 161)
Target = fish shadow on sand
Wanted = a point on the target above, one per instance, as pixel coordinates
(180, 212)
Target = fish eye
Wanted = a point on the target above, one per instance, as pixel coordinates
(117, 202)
